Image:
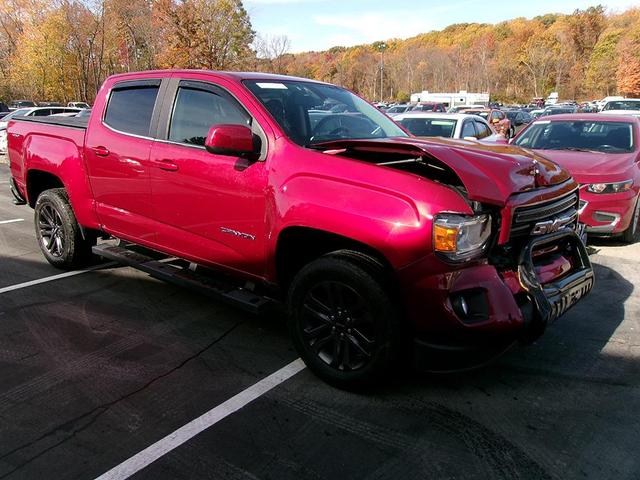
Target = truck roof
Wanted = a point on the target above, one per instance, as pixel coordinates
(235, 76)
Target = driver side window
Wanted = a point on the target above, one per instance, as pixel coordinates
(196, 110)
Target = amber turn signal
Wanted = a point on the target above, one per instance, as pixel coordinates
(445, 238)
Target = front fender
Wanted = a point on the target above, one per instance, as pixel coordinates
(396, 224)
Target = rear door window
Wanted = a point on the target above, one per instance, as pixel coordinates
(130, 109)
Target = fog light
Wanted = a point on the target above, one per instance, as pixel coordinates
(470, 306)
(460, 306)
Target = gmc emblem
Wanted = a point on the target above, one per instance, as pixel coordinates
(552, 226)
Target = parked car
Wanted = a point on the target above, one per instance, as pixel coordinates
(16, 104)
(429, 107)
(78, 105)
(448, 125)
(601, 103)
(459, 108)
(49, 104)
(4, 109)
(397, 109)
(369, 236)
(496, 118)
(27, 112)
(557, 110)
(518, 118)
(601, 152)
(628, 106)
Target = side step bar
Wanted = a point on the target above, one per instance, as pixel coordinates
(185, 277)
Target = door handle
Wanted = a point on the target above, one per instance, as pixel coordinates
(166, 165)
(101, 151)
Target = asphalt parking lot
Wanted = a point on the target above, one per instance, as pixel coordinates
(98, 366)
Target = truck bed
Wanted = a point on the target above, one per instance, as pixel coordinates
(72, 122)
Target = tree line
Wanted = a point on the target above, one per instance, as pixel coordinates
(63, 50)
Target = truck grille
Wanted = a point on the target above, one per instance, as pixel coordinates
(525, 218)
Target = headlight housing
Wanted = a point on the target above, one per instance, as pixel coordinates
(461, 237)
(616, 187)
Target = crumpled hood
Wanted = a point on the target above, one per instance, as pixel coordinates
(490, 172)
(588, 167)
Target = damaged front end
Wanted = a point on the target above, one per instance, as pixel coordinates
(534, 266)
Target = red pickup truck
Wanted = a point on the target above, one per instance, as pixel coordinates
(370, 237)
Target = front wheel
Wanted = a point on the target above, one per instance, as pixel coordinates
(58, 232)
(343, 321)
(632, 233)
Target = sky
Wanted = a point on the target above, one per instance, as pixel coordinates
(322, 24)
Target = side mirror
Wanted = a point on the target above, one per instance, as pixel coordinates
(470, 138)
(232, 140)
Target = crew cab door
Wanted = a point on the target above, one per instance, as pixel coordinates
(209, 208)
(117, 146)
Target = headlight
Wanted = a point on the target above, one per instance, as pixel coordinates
(610, 187)
(461, 237)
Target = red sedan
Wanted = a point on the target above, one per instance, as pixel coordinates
(602, 154)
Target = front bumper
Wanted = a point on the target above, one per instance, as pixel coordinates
(607, 214)
(553, 299)
(518, 305)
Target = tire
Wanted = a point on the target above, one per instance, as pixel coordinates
(58, 233)
(343, 321)
(632, 233)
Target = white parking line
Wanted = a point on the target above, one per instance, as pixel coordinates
(52, 278)
(153, 452)
(11, 221)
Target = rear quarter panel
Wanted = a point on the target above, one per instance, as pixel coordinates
(57, 150)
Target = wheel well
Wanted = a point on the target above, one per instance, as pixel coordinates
(39, 181)
(297, 246)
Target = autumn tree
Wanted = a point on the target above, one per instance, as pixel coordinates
(212, 34)
(628, 72)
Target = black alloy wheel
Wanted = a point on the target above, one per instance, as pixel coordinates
(60, 237)
(343, 319)
(51, 230)
(338, 326)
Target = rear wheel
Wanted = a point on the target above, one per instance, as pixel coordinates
(632, 233)
(343, 321)
(58, 232)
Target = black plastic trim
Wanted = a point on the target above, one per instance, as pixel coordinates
(553, 299)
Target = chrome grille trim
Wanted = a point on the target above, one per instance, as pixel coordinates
(525, 217)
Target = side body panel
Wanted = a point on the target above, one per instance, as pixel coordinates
(56, 150)
(118, 169)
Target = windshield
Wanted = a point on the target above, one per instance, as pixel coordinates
(596, 135)
(429, 127)
(558, 111)
(479, 113)
(15, 113)
(623, 105)
(19, 104)
(299, 109)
